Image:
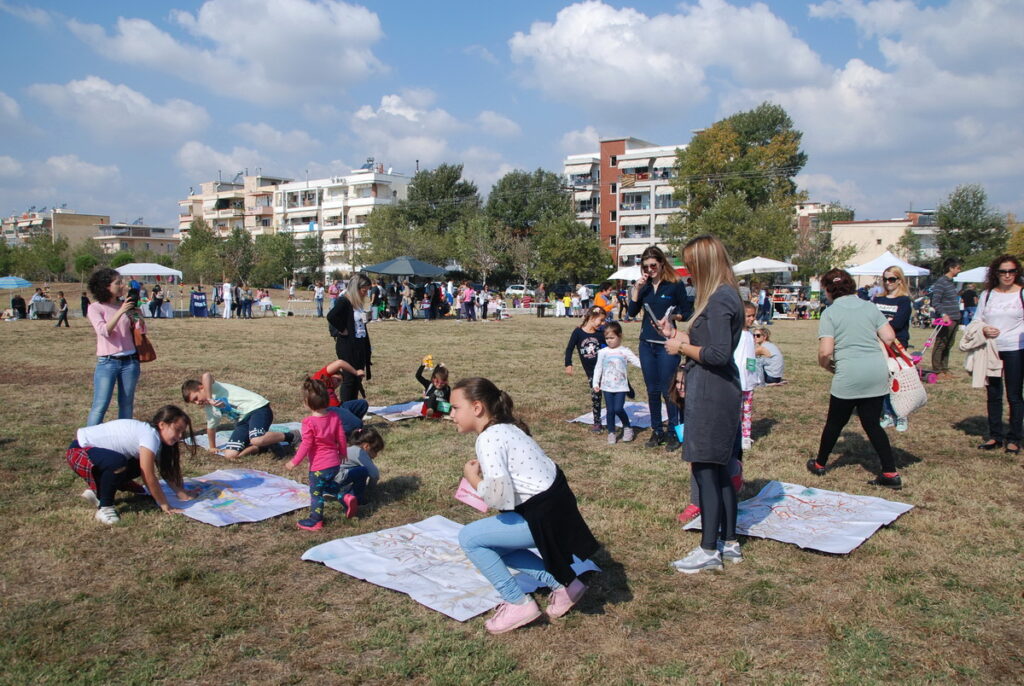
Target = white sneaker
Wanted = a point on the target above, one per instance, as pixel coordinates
(627, 434)
(699, 560)
(730, 551)
(107, 515)
(89, 495)
(902, 424)
(747, 443)
(886, 421)
(611, 438)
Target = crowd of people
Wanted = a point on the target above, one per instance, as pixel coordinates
(701, 354)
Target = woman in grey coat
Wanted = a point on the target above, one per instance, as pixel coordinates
(713, 398)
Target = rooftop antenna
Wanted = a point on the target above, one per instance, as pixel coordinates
(138, 222)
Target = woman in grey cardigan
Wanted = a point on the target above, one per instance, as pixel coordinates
(712, 414)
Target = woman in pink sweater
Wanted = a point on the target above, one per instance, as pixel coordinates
(323, 442)
(117, 362)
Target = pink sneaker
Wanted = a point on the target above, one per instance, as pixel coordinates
(689, 513)
(310, 524)
(508, 616)
(351, 505)
(563, 599)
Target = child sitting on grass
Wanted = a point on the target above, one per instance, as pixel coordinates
(436, 392)
(323, 442)
(357, 469)
(250, 412)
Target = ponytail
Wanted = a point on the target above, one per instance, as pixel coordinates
(498, 403)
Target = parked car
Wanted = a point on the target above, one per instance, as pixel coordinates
(518, 290)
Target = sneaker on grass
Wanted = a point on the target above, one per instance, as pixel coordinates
(510, 616)
(699, 560)
(107, 515)
(596, 429)
(310, 524)
(563, 599)
(351, 504)
(886, 421)
(902, 424)
(814, 468)
(892, 481)
(627, 434)
(89, 496)
(730, 551)
(611, 438)
(691, 511)
(655, 440)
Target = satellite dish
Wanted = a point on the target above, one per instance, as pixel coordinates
(389, 169)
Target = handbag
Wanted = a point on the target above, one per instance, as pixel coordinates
(906, 392)
(143, 348)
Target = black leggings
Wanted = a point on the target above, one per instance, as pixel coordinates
(869, 410)
(717, 503)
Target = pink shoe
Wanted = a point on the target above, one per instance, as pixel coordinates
(689, 513)
(351, 505)
(737, 483)
(508, 616)
(310, 524)
(563, 599)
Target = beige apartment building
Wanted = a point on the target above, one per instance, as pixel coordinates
(243, 202)
(58, 223)
(873, 237)
(135, 238)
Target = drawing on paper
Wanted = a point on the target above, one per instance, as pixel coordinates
(399, 411)
(232, 496)
(828, 521)
(422, 560)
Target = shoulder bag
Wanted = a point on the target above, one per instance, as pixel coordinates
(906, 392)
(143, 348)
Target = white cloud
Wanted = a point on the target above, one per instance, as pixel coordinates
(580, 142)
(255, 50)
(597, 56)
(10, 167)
(70, 170)
(825, 188)
(10, 110)
(481, 52)
(32, 15)
(201, 163)
(267, 137)
(483, 167)
(119, 113)
(497, 124)
(401, 130)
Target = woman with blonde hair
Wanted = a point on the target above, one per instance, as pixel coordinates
(347, 323)
(712, 382)
(895, 306)
(657, 290)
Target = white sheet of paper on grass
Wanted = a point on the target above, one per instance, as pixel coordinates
(223, 436)
(424, 561)
(233, 496)
(828, 521)
(639, 415)
(399, 411)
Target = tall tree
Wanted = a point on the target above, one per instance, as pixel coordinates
(275, 259)
(1015, 246)
(42, 257)
(521, 199)
(199, 253)
(815, 251)
(439, 197)
(756, 153)
(311, 257)
(746, 232)
(476, 246)
(238, 255)
(121, 258)
(569, 250)
(969, 228)
(520, 251)
(388, 234)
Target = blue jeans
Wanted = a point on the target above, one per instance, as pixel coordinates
(969, 315)
(659, 370)
(615, 404)
(125, 372)
(1013, 379)
(319, 307)
(351, 414)
(354, 482)
(497, 543)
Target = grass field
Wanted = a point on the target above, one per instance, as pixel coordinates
(936, 597)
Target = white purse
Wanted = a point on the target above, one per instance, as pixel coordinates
(906, 392)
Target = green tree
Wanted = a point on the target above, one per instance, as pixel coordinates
(311, 257)
(275, 259)
(815, 251)
(237, 253)
(746, 232)
(908, 247)
(42, 258)
(389, 234)
(84, 264)
(756, 154)
(476, 246)
(199, 253)
(1015, 246)
(520, 251)
(969, 228)
(569, 251)
(7, 258)
(121, 258)
(439, 197)
(521, 199)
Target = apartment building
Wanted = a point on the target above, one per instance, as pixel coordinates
(244, 203)
(135, 238)
(337, 208)
(624, 192)
(58, 223)
(873, 237)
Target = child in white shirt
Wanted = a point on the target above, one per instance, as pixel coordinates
(610, 376)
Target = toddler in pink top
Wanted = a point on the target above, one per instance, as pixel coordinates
(323, 442)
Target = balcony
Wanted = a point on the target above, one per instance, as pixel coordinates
(259, 210)
(643, 206)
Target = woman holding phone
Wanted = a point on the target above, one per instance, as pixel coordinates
(117, 362)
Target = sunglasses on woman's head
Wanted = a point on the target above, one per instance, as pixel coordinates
(891, 279)
(1007, 271)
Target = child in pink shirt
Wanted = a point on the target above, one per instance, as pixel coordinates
(323, 442)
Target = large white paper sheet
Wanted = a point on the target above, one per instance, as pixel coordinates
(223, 436)
(639, 415)
(828, 521)
(424, 561)
(399, 411)
(232, 496)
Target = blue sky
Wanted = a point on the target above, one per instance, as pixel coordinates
(119, 107)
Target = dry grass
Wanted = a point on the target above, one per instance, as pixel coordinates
(934, 598)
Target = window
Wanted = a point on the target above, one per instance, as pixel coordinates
(613, 188)
(614, 159)
(611, 241)
(878, 241)
(611, 215)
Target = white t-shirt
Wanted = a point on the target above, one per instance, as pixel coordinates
(513, 466)
(228, 292)
(611, 369)
(1004, 311)
(318, 293)
(746, 362)
(123, 436)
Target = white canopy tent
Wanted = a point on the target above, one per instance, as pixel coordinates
(148, 269)
(626, 274)
(762, 265)
(976, 275)
(878, 265)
